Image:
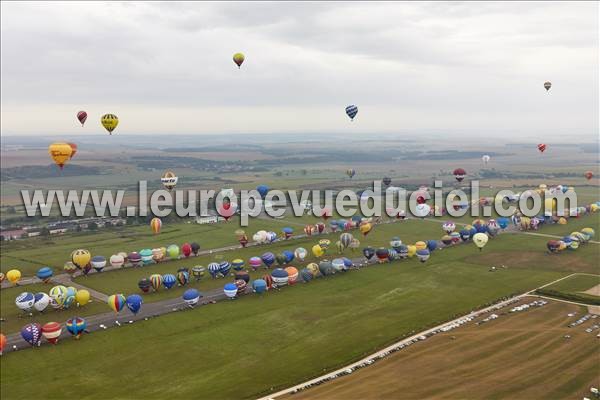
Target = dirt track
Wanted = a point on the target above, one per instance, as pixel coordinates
(522, 355)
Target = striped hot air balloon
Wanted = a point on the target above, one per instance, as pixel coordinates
(155, 225)
(156, 281)
(351, 111)
(541, 147)
(51, 331)
(76, 326)
(116, 302)
(82, 117)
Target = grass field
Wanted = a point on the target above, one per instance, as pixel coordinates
(516, 356)
(301, 331)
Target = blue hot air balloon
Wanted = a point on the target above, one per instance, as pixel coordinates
(224, 268)
(191, 297)
(98, 263)
(262, 190)
(268, 258)
(76, 326)
(351, 111)
(134, 302)
(432, 245)
(280, 277)
(32, 334)
(169, 280)
(289, 256)
(348, 263)
(230, 290)
(465, 234)
(44, 274)
(259, 285)
(306, 274)
(423, 255)
(403, 251)
(213, 269)
(287, 232)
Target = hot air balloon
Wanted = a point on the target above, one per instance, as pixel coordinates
(173, 252)
(541, 147)
(156, 281)
(169, 280)
(448, 227)
(198, 272)
(287, 232)
(423, 255)
(268, 258)
(42, 300)
(213, 269)
(259, 285)
(243, 240)
(345, 239)
(588, 175)
(553, 246)
(241, 286)
(2, 343)
(191, 297)
(238, 59)
(98, 263)
(480, 240)
(135, 259)
(224, 268)
(32, 334)
(25, 301)
(314, 269)
(44, 274)
(292, 274)
(82, 116)
(134, 303)
(51, 332)
(117, 260)
(486, 159)
(351, 111)
(109, 122)
(76, 326)
(13, 276)
(547, 85)
(81, 258)
(432, 245)
(459, 174)
(155, 225)
(280, 277)
(365, 228)
(60, 153)
(368, 252)
(70, 299)
(227, 210)
(262, 190)
(300, 253)
(317, 251)
(351, 172)
(183, 276)
(255, 262)
(116, 302)
(230, 290)
(422, 210)
(82, 297)
(169, 180)
(382, 254)
(73, 148)
(58, 295)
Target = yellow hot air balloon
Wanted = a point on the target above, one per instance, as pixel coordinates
(550, 205)
(238, 59)
(589, 231)
(480, 239)
(109, 122)
(60, 153)
(421, 245)
(317, 251)
(594, 207)
(156, 224)
(562, 221)
(313, 268)
(81, 258)
(13, 276)
(412, 250)
(82, 297)
(365, 228)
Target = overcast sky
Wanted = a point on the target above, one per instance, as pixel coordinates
(167, 67)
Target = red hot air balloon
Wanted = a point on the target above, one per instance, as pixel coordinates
(541, 147)
(186, 249)
(73, 148)
(588, 175)
(51, 331)
(459, 174)
(82, 116)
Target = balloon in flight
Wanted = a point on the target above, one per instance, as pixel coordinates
(238, 59)
(351, 111)
(109, 122)
(60, 153)
(82, 116)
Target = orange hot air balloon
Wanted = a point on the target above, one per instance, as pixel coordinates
(2, 342)
(60, 153)
(74, 148)
(156, 224)
(588, 175)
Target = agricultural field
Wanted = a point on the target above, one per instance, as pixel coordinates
(515, 356)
